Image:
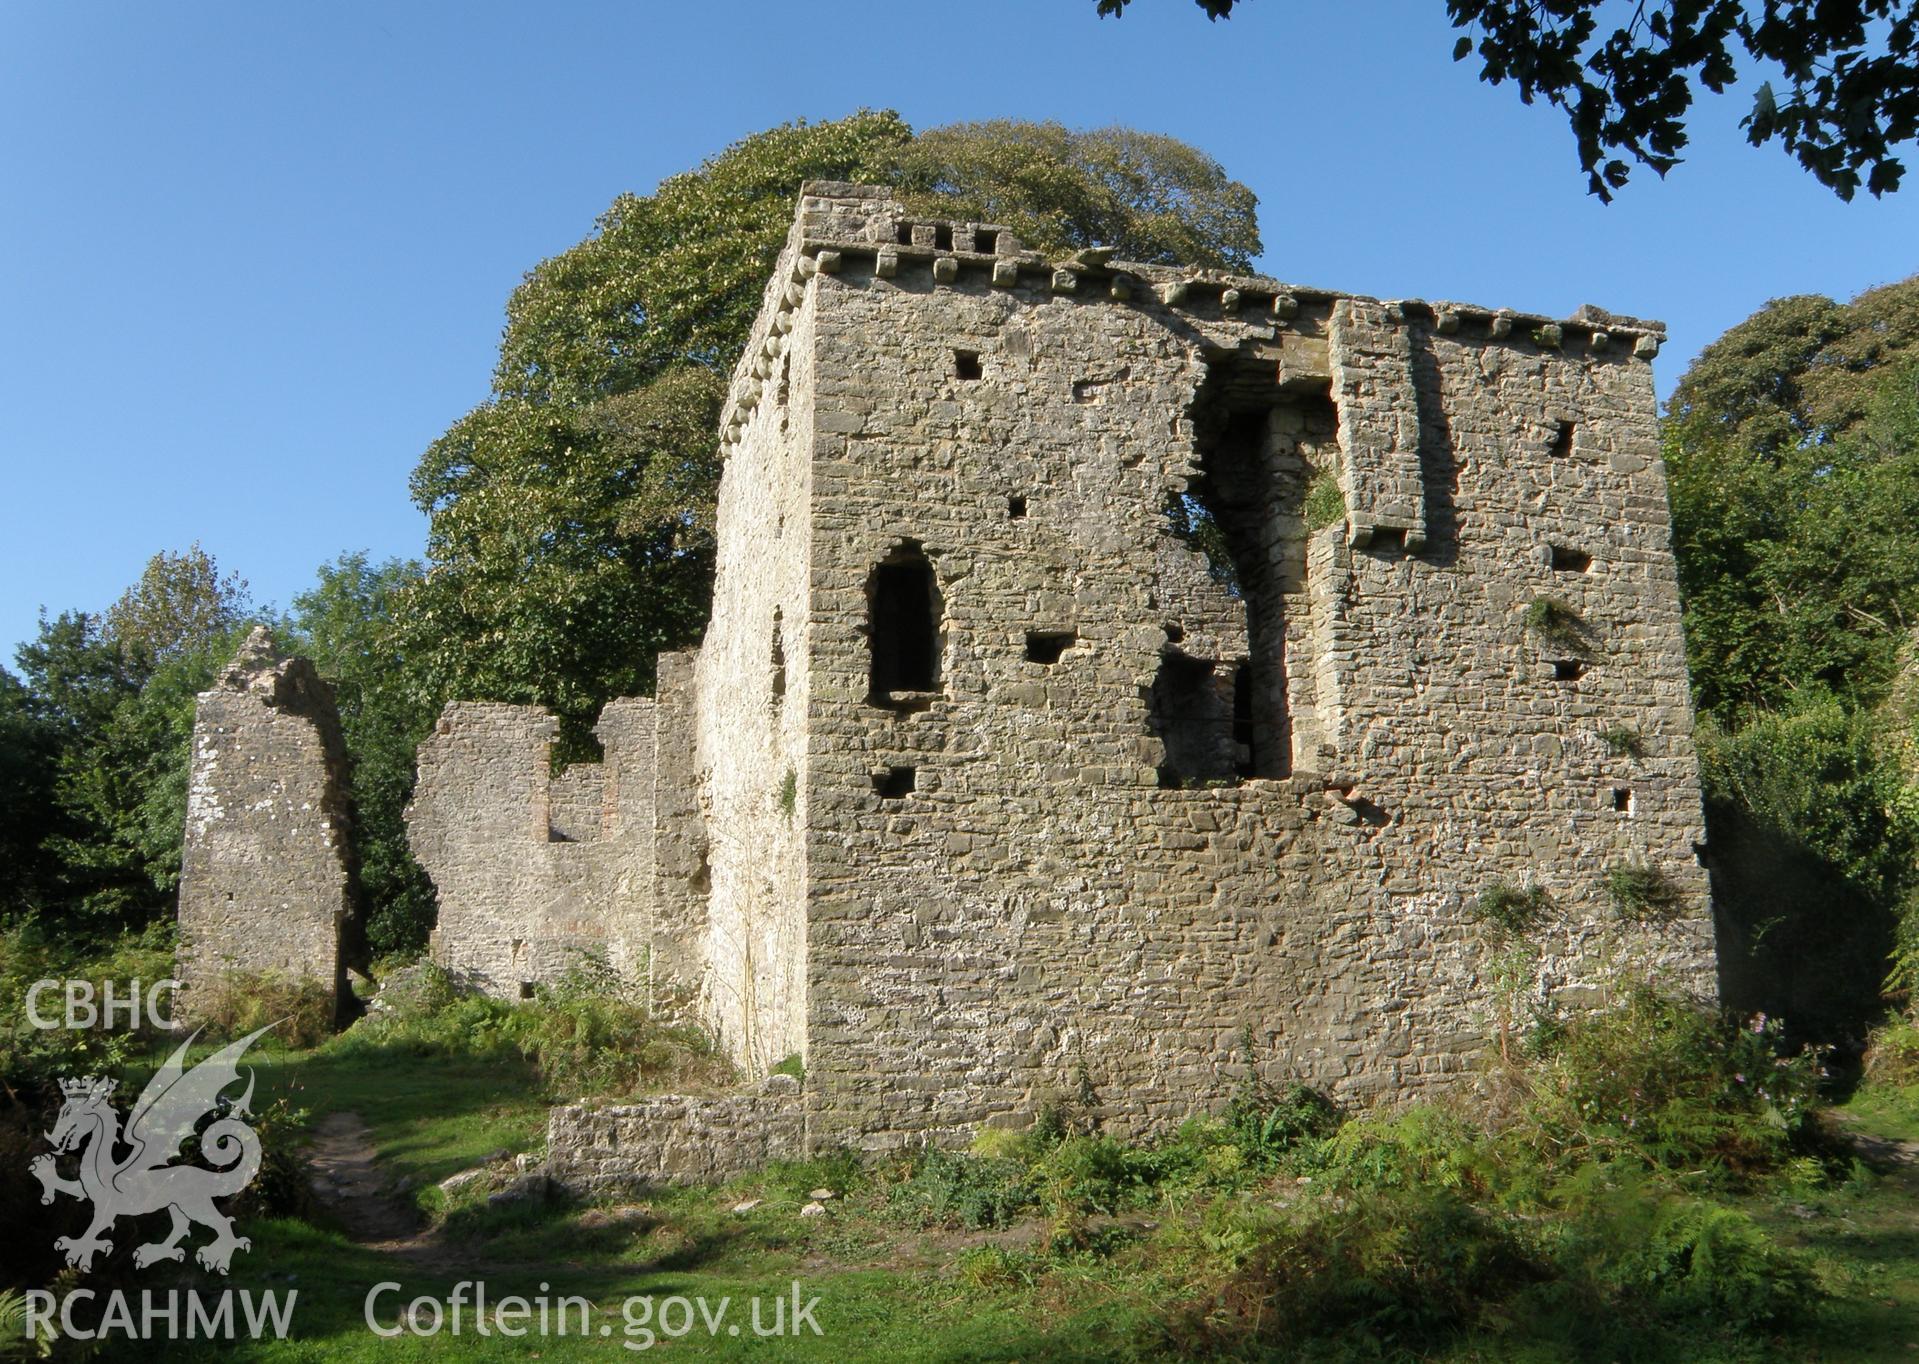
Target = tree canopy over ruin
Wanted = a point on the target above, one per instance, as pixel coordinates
(571, 513)
(1848, 73)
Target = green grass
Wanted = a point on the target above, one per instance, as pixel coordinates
(892, 1288)
(1419, 1238)
(871, 1307)
(429, 1116)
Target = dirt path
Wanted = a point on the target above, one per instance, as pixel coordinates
(1886, 1153)
(348, 1185)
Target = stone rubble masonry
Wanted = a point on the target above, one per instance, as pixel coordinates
(535, 873)
(1142, 806)
(665, 1139)
(267, 877)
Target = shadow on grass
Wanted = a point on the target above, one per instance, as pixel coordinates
(429, 1116)
(865, 1315)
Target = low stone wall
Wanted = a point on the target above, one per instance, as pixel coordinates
(674, 1138)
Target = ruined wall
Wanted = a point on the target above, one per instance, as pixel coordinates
(267, 879)
(628, 735)
(663, 1139)
(1006, 888)
(682, 875)
(535, 871)
(752, 694)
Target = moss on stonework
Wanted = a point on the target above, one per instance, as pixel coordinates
(1325, 503)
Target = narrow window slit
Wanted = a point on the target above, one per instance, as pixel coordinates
(1622, 800)
(1562, 440)
(943, 237)
(779, 660)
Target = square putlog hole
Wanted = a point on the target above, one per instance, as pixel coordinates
(1568, 669)
(895, 783)
(1015, 508)
(1567, 560)
(1622, 800)
(1047, 646)
(966, 365)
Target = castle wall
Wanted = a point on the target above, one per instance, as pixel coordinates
(1040, 909)
(662, 1139)
(752, 693)
(534, 872)
(628, 733)
(267, 877)
(682, 876)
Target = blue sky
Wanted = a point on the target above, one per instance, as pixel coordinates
(253, 258)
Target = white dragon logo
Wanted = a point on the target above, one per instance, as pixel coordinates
(170, 1107)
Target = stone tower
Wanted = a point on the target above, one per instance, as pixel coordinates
(1111, 663)
(267, 876)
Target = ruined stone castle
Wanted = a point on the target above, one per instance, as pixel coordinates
(1109, 664)
(267, 872)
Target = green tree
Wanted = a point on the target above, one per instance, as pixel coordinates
(123, 726)
(1795, 560)
(571, 514)
(1793, 461)
(1800, 370)
(1814, 835)
(29, 749)
(569, 545)
(113, 696)
(674, 278)
(181, 605)
(1847, 70)
(1150, 197)
(345, 624)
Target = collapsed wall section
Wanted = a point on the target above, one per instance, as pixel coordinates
(535, 872)
(267, 877)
